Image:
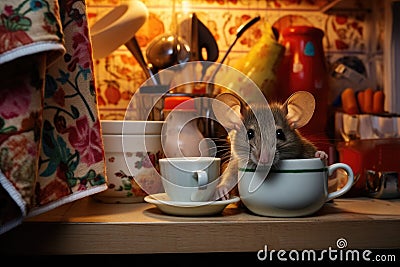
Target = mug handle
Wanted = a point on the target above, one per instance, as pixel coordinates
(348, 185)
(202, 179)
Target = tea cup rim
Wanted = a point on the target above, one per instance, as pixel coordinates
(315, 163)
(189, 159)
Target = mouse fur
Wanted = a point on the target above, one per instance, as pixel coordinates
(245, 144)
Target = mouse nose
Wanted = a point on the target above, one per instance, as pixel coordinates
(264, 158)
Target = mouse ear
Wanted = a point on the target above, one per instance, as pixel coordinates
(226, 109)
(299, 108)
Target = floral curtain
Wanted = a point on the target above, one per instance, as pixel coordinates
(51, 148)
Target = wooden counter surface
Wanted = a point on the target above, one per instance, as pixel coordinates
(89, 227)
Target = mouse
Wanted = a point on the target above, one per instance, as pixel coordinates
(245, 125)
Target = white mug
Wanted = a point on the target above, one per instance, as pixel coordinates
(298, 187)
(190, 179)
(132, 150)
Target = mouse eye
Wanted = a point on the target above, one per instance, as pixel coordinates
(250, 134)
(280, 135)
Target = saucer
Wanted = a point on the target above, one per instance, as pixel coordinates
(163, 202)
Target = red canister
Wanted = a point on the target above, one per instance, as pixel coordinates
(304, 67)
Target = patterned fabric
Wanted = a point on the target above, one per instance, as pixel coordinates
(51, 148)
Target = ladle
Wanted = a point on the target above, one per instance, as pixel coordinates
(167, 50)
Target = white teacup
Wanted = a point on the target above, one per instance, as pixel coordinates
(298, 187)
(190, 179)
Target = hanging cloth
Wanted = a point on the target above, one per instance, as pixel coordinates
(51, 147)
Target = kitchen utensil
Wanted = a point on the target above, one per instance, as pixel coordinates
(134, 48)
(120, 26)
(167, 50)
(203, 45)
(239, 32)
(242, 29)
(382, 184)
(117, 27)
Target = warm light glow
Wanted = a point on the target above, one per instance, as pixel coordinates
(170, 38)
(186, 8)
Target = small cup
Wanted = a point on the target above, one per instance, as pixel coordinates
(298, 187)
(190, 179)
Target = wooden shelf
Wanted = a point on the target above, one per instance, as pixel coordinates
(88, 227)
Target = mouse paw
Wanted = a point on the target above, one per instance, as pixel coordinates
(222, 193)
(321, 154)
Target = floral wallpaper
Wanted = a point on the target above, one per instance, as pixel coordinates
(348, 33)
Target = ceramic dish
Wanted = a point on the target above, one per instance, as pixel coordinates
(167, 206)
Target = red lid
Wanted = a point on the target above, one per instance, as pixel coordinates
(184, 103)
(304, 30)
